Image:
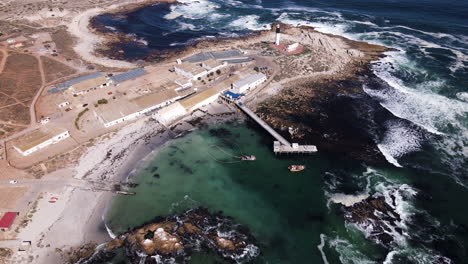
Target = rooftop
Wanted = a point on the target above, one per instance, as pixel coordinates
(226, 54)
(212, 63)
(170, 85)
(89, 83)
(149, 100)
(37, 137)
(69, 83)
(116, 110)
(173, 108)
(8, 219)
(199, 57)
(129, 75)
(249, 79)
(191, 68)
(238, 60)
(201, 96)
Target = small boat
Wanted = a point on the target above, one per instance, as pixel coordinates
(295, 168)
(248, 157)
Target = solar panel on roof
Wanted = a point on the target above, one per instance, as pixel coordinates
(199, 57)
(203, 56)
(132, 74)
(240, 60)
(67, 84)
(226, 54)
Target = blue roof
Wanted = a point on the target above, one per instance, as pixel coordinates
(132, 74)
(232, 95)
(67, 84)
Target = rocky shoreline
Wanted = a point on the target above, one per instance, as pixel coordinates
(173, 238)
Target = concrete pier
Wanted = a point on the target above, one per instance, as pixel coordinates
(281, 145)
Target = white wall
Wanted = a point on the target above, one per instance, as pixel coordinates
(44, 144)
(249, 86)
(139, 113)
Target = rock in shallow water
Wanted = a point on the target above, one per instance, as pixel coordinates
(174, 237)
(377, 217)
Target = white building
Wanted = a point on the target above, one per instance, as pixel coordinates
(248, 83)
(278, 35)
(85, 84)
(183, 82)
(292, 47)
(39, 139)
(169, 114)
(213, 65)
(190, 70)
(116, 113)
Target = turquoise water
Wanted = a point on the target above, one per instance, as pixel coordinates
(263, 194)
(286, 212)
(291, 214)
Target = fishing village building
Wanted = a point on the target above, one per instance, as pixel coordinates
(126, 76)
(115, 113)
(171, 113)
(83, 84)
(190, 70)
(7, 220)
(39, 139)
(213, 65)
(248, 83)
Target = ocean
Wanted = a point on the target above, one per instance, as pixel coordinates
(295, 217)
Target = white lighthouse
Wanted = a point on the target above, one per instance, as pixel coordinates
(278, 34)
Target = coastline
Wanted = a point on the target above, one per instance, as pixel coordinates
(113, 159)
(63, 231)
(87, 40)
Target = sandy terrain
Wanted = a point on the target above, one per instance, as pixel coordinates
(19, 81)
(75, 218)
(88, 41)
(8, 196)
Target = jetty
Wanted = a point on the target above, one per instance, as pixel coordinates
(281, 145)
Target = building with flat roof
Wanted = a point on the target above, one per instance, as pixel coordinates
(129, 75)
(7, 220)
(69, 83)
(91, 84)
(190, 70)
(217, 55)
(202, 98)
(116, 113)
(248, 83)
(39, 138)
(292, 47)
(183, 81)
(168, 114)
(213, 65)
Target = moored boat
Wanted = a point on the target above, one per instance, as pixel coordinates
(248, 157)
(295, 168)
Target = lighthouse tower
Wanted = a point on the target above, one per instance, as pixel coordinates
(278, 35)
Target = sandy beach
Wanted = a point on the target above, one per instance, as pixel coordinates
(87, 41)
(76, 217)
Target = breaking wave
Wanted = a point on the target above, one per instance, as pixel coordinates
(398, 140)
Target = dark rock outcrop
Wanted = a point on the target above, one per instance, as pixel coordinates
(173, 238)
(377, 217)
